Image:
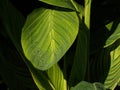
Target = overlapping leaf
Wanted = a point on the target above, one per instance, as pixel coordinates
(79, 8)
(116, 34)
(60, 3)
(12, 21)
(119, 83)
(114, 72)
(40, 78)
(12, 69)
(99, 65)
(47, 35)
(56, 78)
(52, 79)
(79, 68)
(88, 86)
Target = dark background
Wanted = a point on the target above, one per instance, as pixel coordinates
(102, 11)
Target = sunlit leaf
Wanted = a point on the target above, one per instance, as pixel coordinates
(52, 79)
(109, 26)
(40, 78)
(115, 35)
(47, 35)
(119, 83)
(56, 78)
(114, 72)
(79, 8)
(60, 3)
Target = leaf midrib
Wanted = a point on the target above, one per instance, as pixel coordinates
(52, 44)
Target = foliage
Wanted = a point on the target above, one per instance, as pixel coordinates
(60, 45)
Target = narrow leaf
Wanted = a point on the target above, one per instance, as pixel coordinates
(47, 35)
(99, 65)
(115, 35)
(56, 78)
(52, 79)
(13, 69)
(12, 21)
(87, 11)
(79, 8)
(79, 68)
(40, 78)
(60, 3)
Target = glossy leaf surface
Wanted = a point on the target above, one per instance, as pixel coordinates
(47, 35)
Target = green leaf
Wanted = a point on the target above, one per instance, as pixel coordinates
(114, 72)
(87, 10)
(40, 78)
(88, 86)
(60, 3)
(12, 68)
(52, 79)
(99, 86)
(79, 68)
(79, 8)
(47, 35)
(115, 35)
(12, 21)
(109, 26)
(56, 78)
(99, 65)
(119, 83)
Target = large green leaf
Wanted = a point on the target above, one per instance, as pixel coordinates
(16, 75)
(60, 3)
(88, 86)
(116, 34)
(114, 72)
(47, 35)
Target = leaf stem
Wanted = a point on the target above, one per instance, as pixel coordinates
(87, 12)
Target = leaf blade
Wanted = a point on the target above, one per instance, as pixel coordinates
(115, 35)
(79, 68)
(57, 78)
(113, 75)
(83, 85)
(45, 39)
(12, 21)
